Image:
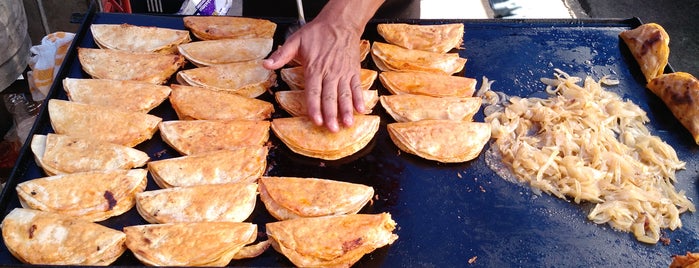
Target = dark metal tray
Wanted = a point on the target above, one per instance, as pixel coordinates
(450, 213)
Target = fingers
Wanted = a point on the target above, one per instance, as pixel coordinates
(329, 104)
(357, 95)
(313, 91)
(284, 54)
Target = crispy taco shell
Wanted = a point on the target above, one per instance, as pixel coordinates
(389, 57)
(101, 123)
(295, 77)
(331, 241)
(198, 136)
(289, 197)
(61, 154)
(223, 51)
(294, 101)
(198, 103)
(45, 238)
(438, 38)
(680, 92)
(127, 95)
(249, 79)
(445, 141)
(190, 243)
(243, 164)
(138, 38)
(147, 67)
(649, 45)
(91, 196)
(225, 27)
(302, 136)
(435, 85)
(233, 202)
(409, 107)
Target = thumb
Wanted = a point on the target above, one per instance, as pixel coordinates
(281, 56)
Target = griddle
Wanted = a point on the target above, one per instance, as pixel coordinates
(448, 214)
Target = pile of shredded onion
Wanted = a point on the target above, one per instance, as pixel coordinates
(588, 144)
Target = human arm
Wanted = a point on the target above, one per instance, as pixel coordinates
(328, 48)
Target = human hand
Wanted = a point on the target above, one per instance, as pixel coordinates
(329, 52)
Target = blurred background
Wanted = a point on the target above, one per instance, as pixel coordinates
(27, 22)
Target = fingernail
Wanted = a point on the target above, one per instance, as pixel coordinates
(318, 120)
(348, 121)
(333, 127)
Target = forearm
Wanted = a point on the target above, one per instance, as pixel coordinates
(350, 14)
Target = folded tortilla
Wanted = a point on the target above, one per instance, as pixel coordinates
(198, 103)
(226, 27)
(389, 57)
(294, 101)
(91, 196)
(191, 243)
(223, 51)
(131, 96)
(45, 238)
(409, 107)
(445, 141)
(138, 38)
(435, 85)
(439, 38)
(61, 154)
(331, 241)
(680, 93)
(289, 197)
(101, 123)
(233, 202)
(147, 67)
(249, 78)
(243, 164)
(198, 136)
(294, 77)
(650, 46)
(302, 136)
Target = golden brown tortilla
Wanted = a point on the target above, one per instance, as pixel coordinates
(649, 45)
(289, 197)
(294, 101)
(131, 96)
(101, 123)
(147, 67)
(44, 238)
(198, 136)
(232, 202)
(409, 107)
(61, 154)
(331, 241)
(445, 141)
(294, 77)
(198, 103)
(91, 196)
(225, 27)
(389, 57)
(435, 85)
(680, 92)
(249, 78)
(302, 136)
(243, 164)
(138, 38)
(223, 51)
(189, 244)
(439, 38)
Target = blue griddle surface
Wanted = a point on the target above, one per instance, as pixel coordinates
(450, 213)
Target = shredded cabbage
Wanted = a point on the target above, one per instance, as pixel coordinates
(588, 144)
